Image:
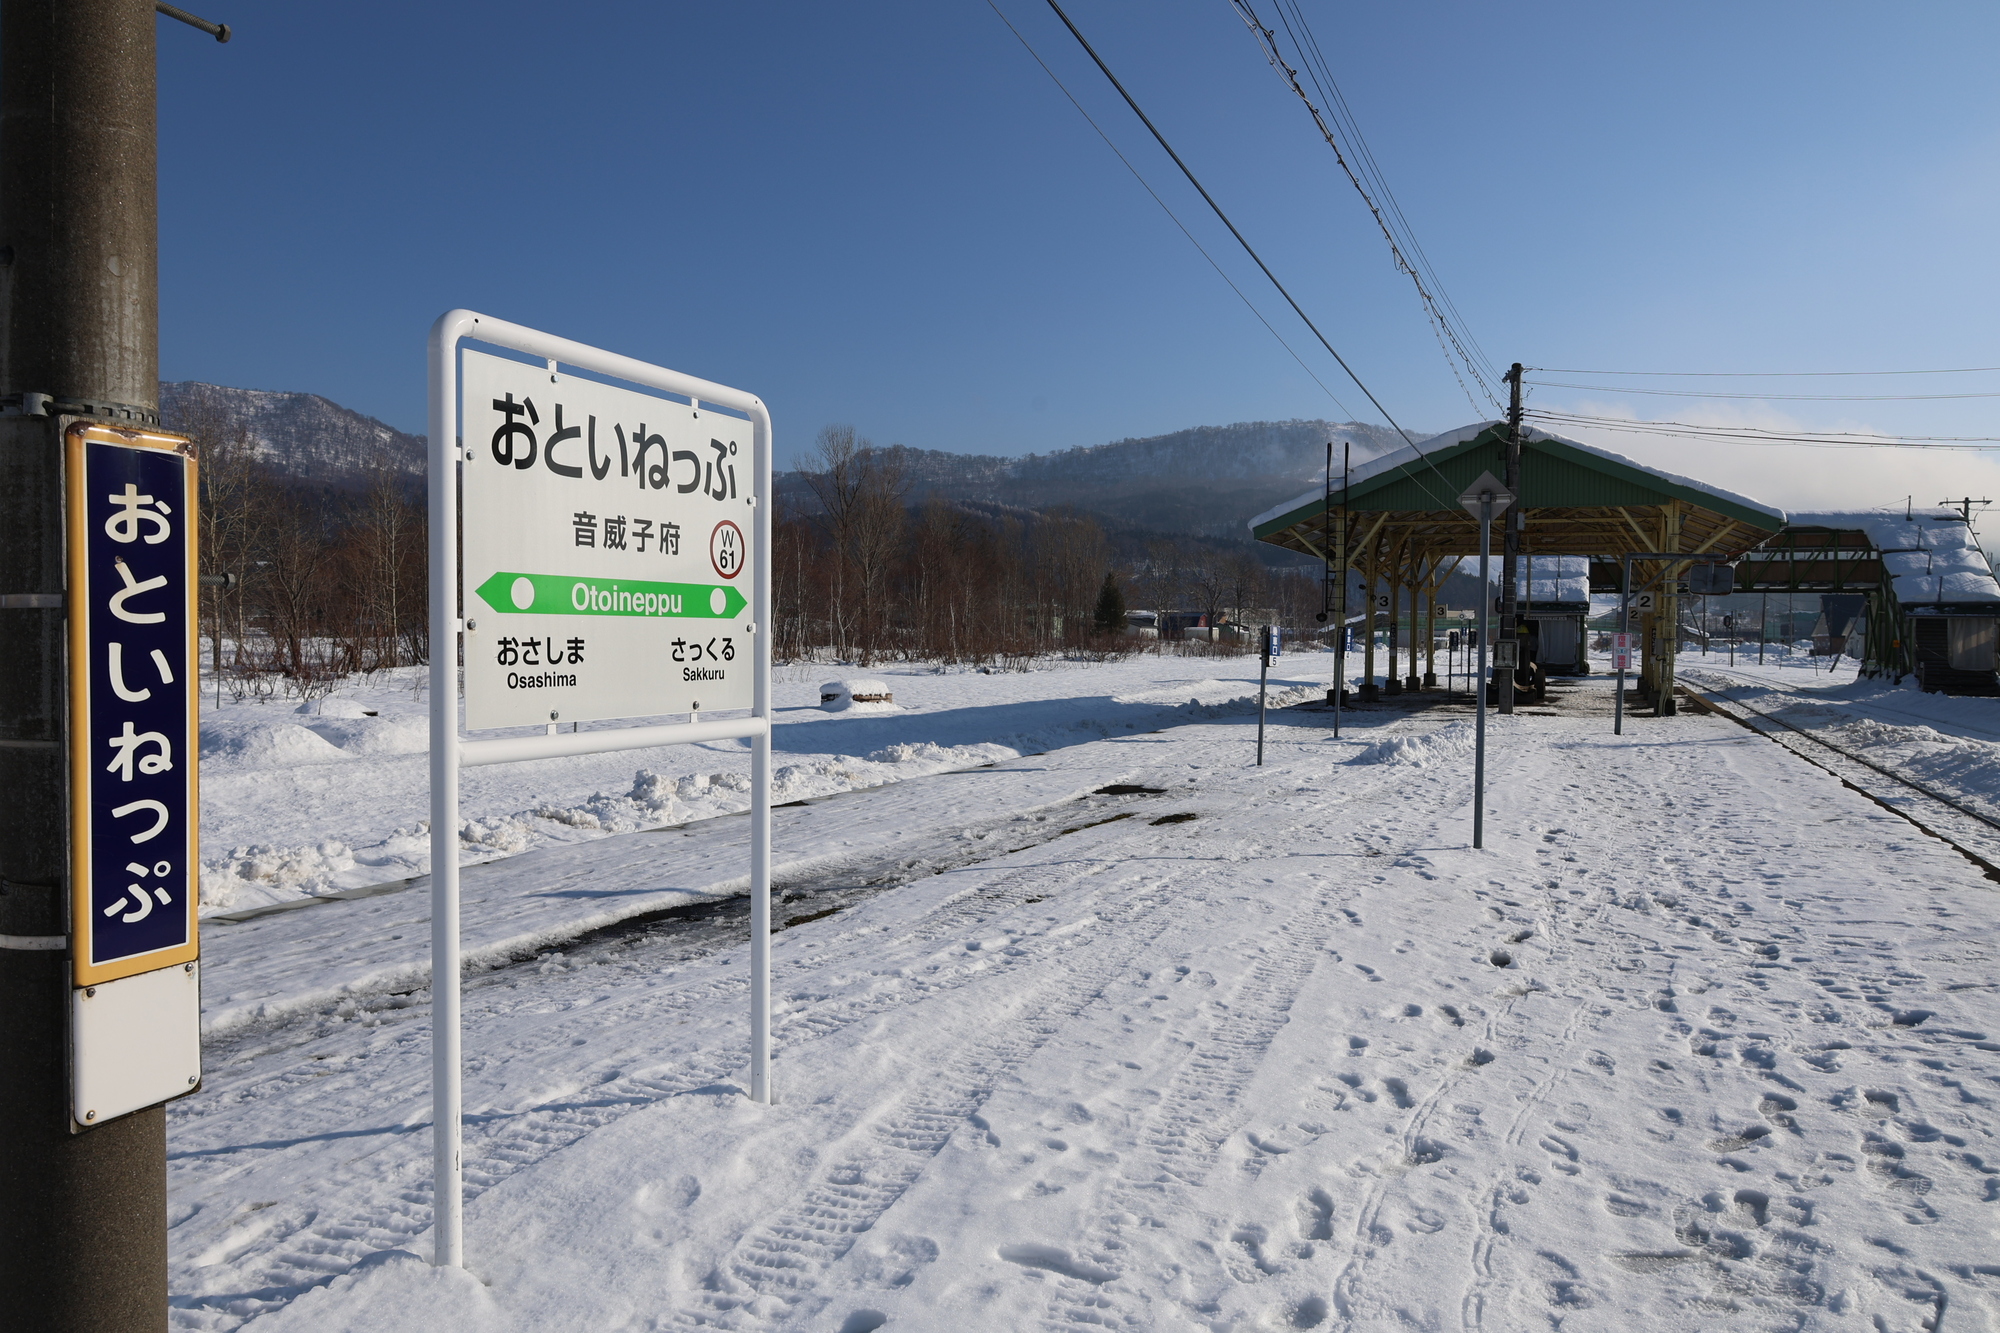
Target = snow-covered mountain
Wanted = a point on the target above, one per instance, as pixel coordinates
(1204, 481)
(299, 435)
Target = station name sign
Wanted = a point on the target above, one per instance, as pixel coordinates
(134, 736)
(606, 567)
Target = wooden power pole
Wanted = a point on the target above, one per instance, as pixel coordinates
(83, 1211)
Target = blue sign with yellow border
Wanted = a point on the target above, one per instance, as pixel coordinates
(134, 736)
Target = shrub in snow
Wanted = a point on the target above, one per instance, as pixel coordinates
(858, 696)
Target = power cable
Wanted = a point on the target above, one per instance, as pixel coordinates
(1316, 67)
(1440, 327)
(1168, 211)
(1760, 435)
(1764, 397)
(1764, 374)
(1209, 199)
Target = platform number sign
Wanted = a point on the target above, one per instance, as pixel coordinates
(134, 738)
(1644, 603)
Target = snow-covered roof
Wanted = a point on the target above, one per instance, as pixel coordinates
(1418, 453)
(1929, 553)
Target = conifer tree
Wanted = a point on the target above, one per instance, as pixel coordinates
(1111, 606)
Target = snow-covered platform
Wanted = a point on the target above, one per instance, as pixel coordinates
(1703, 1039)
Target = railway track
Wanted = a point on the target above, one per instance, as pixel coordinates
(1972, 833)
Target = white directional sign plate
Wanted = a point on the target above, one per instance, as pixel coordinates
(606, 560)
(1487, 484)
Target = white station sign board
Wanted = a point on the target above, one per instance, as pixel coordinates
(606, 552)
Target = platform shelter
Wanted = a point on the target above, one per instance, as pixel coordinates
(1398, 524)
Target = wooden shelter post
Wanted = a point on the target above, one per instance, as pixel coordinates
(1368, 576)
(1393, 684)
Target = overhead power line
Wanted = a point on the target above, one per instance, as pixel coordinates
(1147, 186)
(1443, 328)
(1761, 435)
(1763, 397)
(1365, 158)
(1765, 374)
(1209, 199)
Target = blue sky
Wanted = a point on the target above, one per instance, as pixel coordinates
(886, 214)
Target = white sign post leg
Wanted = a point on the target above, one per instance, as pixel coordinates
(447, 1191)
(760, 783)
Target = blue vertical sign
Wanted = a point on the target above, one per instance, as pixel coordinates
(134, 738)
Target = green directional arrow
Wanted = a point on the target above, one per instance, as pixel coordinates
(563, 595)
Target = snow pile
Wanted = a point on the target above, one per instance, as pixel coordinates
(253, 743)
(1447, 745)
(857, 696)
(254, 875)
(376, 735)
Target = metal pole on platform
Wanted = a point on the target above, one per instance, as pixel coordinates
(1263, 681)
(1479, 725)
(1622, 653)
(1481, 500)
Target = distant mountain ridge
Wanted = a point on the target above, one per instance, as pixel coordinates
(1205, 481)
(299, 435)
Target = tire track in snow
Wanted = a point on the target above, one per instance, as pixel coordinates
(776, 1266)
(359, 1208)
(1201, 1108)
(1200, 1111)
(303, 1247)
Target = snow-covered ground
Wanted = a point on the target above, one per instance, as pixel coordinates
(1949, 744)
(314, 798)
(1702, 1039)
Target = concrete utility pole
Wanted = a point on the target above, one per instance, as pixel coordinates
(83, 1216)
(1510, 549)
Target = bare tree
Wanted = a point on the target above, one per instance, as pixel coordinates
(384, 536)
(232, 522)
(293, 588)
(860, 490)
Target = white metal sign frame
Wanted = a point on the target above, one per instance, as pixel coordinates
(451, 751)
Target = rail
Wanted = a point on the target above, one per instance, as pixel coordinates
(1992, 870)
